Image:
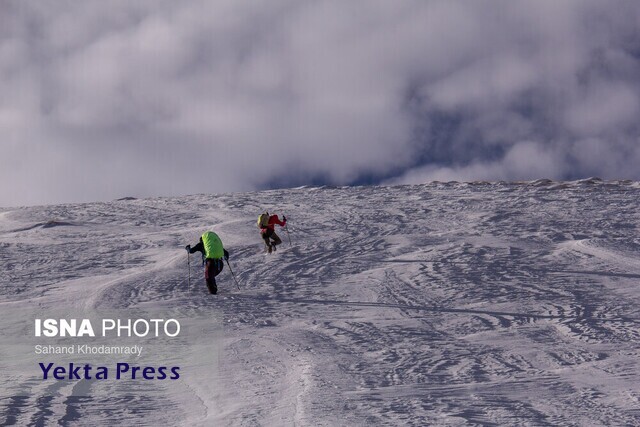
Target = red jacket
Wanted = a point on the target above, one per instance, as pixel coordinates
(273, 220)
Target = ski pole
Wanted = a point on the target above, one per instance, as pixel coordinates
(234, 276)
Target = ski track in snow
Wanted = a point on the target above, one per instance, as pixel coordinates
(439, 304)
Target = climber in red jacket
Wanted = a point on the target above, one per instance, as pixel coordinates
(266, 224)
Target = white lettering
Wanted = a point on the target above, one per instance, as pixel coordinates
(135, 328)
(106, 328)
(166, 328)
(63, 328)
(51, 327)
(127, 327)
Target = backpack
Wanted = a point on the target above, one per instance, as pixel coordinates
(263, 220)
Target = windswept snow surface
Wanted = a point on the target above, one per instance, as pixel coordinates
(438, 304)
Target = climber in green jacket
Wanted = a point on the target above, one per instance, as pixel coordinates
(212, 252)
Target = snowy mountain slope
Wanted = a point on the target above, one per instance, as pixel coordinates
(439, 304)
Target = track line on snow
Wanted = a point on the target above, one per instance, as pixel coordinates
(439, 309)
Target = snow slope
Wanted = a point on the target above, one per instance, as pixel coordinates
(439, 304)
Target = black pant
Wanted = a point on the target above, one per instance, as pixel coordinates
(212, 268)
(271, 238)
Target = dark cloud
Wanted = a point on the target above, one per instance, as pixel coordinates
(107, 99)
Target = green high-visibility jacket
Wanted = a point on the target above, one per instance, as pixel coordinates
(212, 245)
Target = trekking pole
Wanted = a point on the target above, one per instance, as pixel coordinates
(234, 276)
(286, 228)
(189, 266)
(288, 237)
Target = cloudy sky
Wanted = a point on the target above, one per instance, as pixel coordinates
(105, 99)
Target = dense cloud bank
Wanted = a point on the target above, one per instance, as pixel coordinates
(106, 99)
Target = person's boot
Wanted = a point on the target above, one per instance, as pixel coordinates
(270, 248)
(212, 286)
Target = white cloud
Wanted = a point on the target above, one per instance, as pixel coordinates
(602, 108)
(163, 97)
(524, 161)
(493, 81)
